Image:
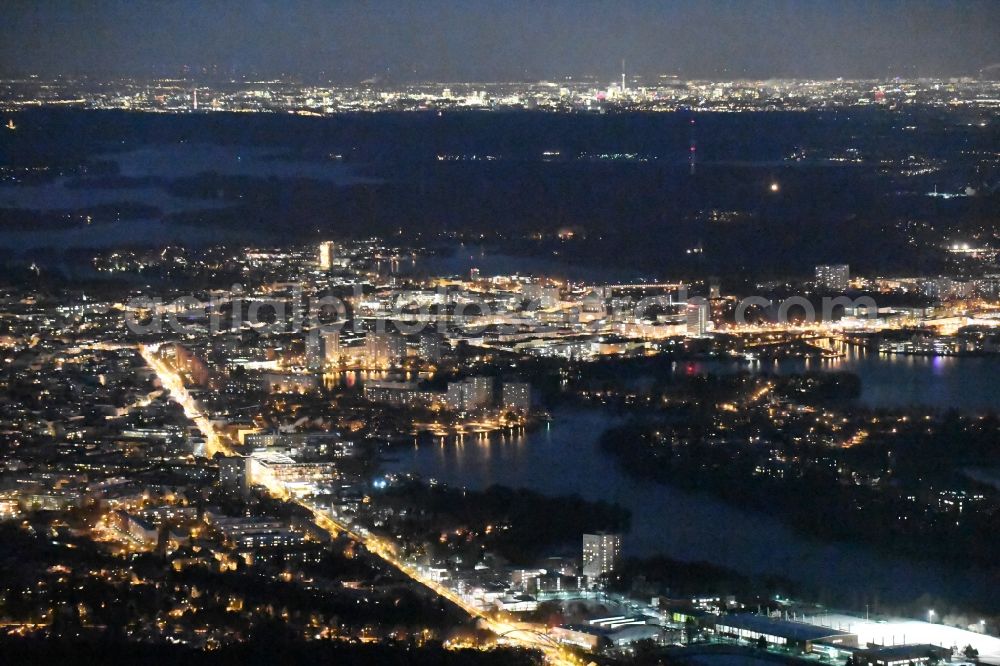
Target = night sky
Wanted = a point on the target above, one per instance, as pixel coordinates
(448, 40)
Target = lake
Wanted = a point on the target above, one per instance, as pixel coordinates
(564, 457)
(894, 380)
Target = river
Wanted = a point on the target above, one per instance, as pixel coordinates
(564, 457)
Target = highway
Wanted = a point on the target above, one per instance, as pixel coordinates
(518, 634)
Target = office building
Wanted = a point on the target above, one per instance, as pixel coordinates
(277, 470)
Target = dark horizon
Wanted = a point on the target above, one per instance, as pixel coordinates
(487, 41)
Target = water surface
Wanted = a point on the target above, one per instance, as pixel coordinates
(565, 458)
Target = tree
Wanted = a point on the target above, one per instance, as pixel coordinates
(761, 643)
(850, 661)
(645, 651)
(690, 629)
(970, 652)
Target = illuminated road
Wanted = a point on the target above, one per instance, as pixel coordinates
(214, 443)
(520, 634)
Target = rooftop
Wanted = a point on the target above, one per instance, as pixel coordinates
(798, 631)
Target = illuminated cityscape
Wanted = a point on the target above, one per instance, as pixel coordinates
(646, 367)
(664, 93)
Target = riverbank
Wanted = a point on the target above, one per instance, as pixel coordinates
(564, 457)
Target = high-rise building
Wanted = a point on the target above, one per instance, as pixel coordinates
(455, 396)
(697, 314)
(480, 392)
(470, 394)
(331, 347)
(835, 277)
(314, 350)
(430, 346)
(384, 348)
(233, 474)
(328, 251)
(516, 395)
(601, 553)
